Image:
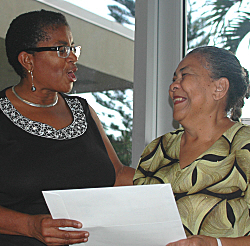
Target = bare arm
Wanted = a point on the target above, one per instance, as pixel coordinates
(124, 174)
(41, 227)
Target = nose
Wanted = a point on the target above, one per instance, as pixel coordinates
(72, 57)
(174, 86)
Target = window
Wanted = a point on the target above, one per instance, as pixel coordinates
(105, 68)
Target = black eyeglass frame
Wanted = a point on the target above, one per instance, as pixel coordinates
(56, 48)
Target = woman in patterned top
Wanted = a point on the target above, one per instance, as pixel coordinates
(48, 140)
(207, 160)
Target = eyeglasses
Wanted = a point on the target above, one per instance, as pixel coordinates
(62, 51)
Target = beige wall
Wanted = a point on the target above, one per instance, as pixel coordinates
(107, 59)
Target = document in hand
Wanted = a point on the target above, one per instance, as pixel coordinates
(141, 215)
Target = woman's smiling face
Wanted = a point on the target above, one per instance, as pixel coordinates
(50, 71)
(191, 90)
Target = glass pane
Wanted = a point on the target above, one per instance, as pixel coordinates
(114, 10)
(223, 24)
(107, 81)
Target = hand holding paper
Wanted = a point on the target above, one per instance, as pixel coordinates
(45, 229)
(120, 216)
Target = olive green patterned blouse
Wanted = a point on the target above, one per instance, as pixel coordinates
(212, 193)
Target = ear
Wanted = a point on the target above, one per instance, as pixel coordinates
(221, 88)
(26, 60)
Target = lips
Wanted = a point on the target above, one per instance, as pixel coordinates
(71, 75)
(178, 99)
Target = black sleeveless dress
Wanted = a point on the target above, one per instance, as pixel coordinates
(36, 157)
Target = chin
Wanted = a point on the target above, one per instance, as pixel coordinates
(178, 118)
(67, 89)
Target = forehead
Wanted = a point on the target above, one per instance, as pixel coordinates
(193, 62)
(58, 35)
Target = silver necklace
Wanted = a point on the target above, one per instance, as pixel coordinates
(34, 104)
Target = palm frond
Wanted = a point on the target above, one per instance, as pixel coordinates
(236, 32)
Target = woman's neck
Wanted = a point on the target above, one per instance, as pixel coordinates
(207, 127)
(196, 139)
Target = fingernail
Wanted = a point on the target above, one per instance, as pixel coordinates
(79, 225)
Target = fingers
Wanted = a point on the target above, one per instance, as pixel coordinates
(66, 237)
(197, 240)
(48, 230)
(49, 222)
(54, 236)
(181, 242)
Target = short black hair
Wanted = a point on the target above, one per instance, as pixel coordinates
(26, 30)
(223, 63)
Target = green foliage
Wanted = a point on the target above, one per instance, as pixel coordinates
(123, 146)
(225, 23)
(196, 35)
(117, 101)
(121, 14)
(236, 32)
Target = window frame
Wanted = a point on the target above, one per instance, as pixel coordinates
(160, 44)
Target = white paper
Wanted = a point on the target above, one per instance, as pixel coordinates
(140, 215)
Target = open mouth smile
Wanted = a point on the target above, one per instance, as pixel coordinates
(178, 99)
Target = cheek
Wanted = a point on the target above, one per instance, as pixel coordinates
(55, 70)
(51, 64)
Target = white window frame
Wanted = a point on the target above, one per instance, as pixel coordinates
(160, 36)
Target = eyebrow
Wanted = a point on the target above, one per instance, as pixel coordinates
(64, 43)
(181, 69)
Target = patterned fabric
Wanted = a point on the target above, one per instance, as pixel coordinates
(74, 130)
(212, 193)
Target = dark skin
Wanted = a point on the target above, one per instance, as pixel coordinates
(200, 99)
(52, 74)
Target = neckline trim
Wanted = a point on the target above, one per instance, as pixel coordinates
(74, 130)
